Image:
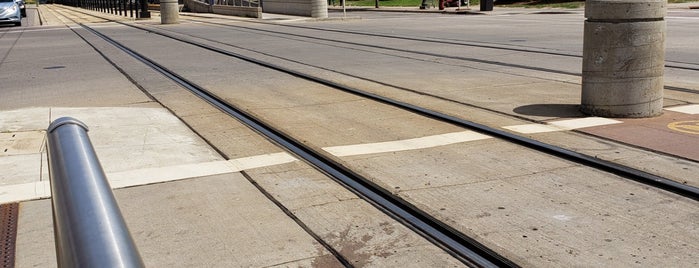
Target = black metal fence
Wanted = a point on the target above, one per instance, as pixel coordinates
(128, 8)
(238, 3)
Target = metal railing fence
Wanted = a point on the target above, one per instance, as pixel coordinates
(128, 8)
(88, 226)
(238, 3)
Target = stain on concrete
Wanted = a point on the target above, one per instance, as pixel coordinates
(362, 249)
(325, 260)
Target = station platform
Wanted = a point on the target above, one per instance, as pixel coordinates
(191, 200)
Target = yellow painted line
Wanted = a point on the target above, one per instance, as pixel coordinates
(408, 144)
(690, 127)
(563, 125)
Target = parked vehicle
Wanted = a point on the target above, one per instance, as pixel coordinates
(22, 7)
(10, 12)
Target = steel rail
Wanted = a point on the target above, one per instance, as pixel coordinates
(463, 248)
(608, 166)
(499, 63)
(344, 176)
(88, 226)
(413, 90)
(488, 45)
(591, 161)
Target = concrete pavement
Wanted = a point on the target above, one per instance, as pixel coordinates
(185, 203)
(533, 211)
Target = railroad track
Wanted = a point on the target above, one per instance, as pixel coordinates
(621, 170)
(467, 249)
(631, 173)
(416, 52)
(468, 44)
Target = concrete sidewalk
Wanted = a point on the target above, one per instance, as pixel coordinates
(185, 203)
(200, 189)
(211, 216)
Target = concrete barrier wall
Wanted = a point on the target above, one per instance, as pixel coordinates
(307, 8)
(250, 12)
(197, 7)
(201, 7)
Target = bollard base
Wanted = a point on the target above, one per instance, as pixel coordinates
(169, 12)
(623, 58)
(639, 110)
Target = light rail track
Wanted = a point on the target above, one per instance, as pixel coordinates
(383, 83)
(469, 251)
(624, 171)
(488, 45)
(464, 248)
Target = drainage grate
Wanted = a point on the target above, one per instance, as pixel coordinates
(8, 234)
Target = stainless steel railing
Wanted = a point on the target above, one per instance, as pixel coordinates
(88, 226)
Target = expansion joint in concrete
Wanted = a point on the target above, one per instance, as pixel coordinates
(331, 202)
(625, 20)
(298, 221)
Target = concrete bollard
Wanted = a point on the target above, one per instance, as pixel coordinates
(319, 9)
(623, 58)
(169, 12)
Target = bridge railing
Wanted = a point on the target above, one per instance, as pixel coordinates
(128, 8)
(238, 3)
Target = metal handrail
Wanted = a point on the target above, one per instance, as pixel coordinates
(88, 226)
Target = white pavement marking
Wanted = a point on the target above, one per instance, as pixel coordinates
(686, 109)
(24, 191)
(584, 122)
(246, 163)
(563, 125)
(403, 145)
(533, 128)
(41, 189)
(163, 174)
(683, 18)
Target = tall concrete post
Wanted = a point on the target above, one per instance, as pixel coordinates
(623, 58)
(169, 12)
